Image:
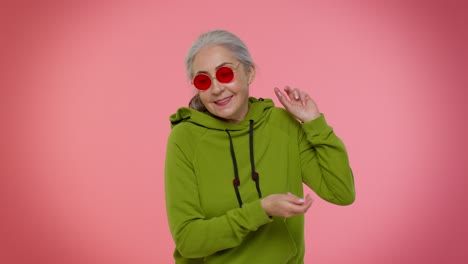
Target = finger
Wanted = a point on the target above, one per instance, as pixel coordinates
(297, 94)
(290, 92)
(291, 198)
(282, 97)
(303, 97)
(295, 209)
(279, 93)
(294, 94)
(308, 202)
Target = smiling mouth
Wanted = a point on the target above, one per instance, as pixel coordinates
(224, 101)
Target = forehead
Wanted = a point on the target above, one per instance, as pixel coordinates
(211, 57)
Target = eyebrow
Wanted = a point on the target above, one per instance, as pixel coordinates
(217, 67)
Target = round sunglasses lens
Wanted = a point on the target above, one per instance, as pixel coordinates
(224, 75)
(202, 82)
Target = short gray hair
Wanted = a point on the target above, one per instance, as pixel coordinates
(218, 38)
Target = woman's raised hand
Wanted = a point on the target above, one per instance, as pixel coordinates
(298, 103)
(286, 205)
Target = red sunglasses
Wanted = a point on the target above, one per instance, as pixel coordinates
(224, 74)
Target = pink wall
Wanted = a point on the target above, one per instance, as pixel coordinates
(87, 88)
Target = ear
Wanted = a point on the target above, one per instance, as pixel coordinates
(251, 74)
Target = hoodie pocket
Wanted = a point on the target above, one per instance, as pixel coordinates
(272, 243)
(281, 240)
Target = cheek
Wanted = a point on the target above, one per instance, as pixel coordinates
(241, 90)
(242, 86)
(203, 97)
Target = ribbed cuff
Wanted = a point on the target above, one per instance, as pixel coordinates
(257, 215)
(316, 126)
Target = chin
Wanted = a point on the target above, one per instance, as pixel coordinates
(224, 115)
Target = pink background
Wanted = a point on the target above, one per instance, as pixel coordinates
(87, 88)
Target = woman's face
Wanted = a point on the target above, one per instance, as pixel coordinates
(228, 101)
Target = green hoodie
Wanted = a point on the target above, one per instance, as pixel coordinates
(210, 219)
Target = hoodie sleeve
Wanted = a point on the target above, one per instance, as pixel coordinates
(194, 235)
(324, 163)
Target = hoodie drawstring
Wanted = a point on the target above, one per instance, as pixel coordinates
(236, 181)
(255, 175)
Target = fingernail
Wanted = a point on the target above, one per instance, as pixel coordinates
(301, 200)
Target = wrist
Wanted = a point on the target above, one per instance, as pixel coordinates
(263, 203)
(310, 117)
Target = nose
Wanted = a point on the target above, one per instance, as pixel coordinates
(216, 87)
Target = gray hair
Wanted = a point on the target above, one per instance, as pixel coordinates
(216, 38)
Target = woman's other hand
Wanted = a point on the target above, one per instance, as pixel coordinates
(298, 103)
(286, 205)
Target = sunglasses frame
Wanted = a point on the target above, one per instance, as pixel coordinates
(215, 77)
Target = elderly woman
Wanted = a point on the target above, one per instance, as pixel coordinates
(235, 165)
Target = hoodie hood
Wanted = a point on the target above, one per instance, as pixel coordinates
(258, 109)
